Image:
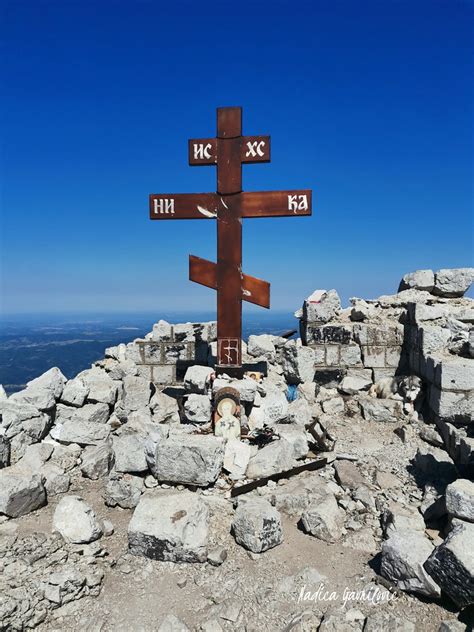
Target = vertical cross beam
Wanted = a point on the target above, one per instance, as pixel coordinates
(229, 238)
(229, 205)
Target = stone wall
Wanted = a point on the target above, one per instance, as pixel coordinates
(165, 353)
(350, 347)
(425, 329)
(448, 376)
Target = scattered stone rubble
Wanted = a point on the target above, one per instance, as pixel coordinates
(138, 426)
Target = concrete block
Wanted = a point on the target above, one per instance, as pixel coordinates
(319, 355)
(433, 338)
(386, 336)
(455, 374)
(350, 355)
(163, 374)
(392, 356)
(333, 334)
(332, 355)
(373, 356)
(457, 407)
(419, 312)
(360, 372)
(381, 374)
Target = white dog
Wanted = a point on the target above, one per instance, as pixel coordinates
(406, 389)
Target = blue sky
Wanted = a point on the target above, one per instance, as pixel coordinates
(367, 103)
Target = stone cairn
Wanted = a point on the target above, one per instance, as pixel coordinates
(139, 422)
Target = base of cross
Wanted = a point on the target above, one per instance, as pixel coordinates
(237, 372)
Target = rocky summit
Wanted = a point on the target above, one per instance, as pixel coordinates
(342, 501)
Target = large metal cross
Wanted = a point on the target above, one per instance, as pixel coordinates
(229, 205)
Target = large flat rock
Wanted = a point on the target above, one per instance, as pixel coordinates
(21, 491)
(189, 459)
(172, 528)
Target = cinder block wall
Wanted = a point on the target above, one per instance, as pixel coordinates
(165, 354)
(419, 347)
(351, 347)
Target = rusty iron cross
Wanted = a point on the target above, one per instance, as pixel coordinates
(229, 205)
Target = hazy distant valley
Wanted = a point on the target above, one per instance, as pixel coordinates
(30, 345)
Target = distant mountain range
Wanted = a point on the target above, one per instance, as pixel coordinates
(31, 344)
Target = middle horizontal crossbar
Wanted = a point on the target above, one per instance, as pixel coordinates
(215, 206)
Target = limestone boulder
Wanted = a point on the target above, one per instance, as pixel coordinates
(197, 379)
(198, 408)
(97, 413)
(164, 408)
(80, 432)
(460, 499)
(53, 380)
(381, 410)
(21, 491)
(129, 452)
(102, 389)
(189, 459)
(298, 363)
(418, 280)
(55, 479)
(261, 347)
(17, 415)
(236, 458)
(162, 331)
(171, 528)
(273, 458)
(273, 409)
(124, 491)
(97, 460)
(257, 525)
(451, 565)
(398, 518)
(452, 282)
(322, 306)
(36, 456)
(353, 384)
(136, 393)
(75, 393)
(76, 521)
(43, 391)
(323, 519)
(402, 562)
(296, 436)
(300, 412)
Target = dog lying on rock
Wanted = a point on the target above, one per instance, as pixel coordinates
(405, 388)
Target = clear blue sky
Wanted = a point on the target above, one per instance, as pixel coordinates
(368, 103)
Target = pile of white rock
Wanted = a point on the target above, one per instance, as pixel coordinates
(153, 450)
